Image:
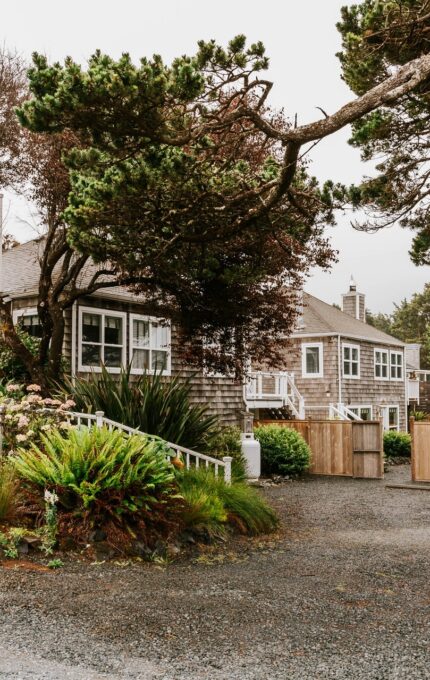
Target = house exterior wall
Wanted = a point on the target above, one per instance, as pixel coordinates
(366, 390)
(223, 396)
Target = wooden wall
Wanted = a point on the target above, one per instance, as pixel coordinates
(341, 447)
(420, 458)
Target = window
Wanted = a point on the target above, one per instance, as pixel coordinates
(101, 339)
(381, 364)
(396, 365)
(149, 345)
(363, 412)
(28, 320)
(351, 361)
(312, 360)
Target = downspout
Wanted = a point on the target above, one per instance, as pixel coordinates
(339, 371)
(73, 349)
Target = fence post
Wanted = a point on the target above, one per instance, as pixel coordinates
(99, 418)
(227, 469)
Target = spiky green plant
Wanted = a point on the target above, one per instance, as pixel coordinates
(8, 489)
(91, 467)
(147, 402)
(213, 505)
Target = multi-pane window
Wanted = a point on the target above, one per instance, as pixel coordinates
(312, 360)
(351, 361)
(363, 412)
(396, 365)
(101, 336)
(390, 417)
(149, 345)
(381, 364)
(30, 323)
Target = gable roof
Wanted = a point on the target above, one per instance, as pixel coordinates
(20, 272)
(322, 318)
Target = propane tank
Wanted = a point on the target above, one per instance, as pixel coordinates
(252, 453)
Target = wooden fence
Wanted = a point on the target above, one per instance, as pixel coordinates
(420, 454)
(341, 447)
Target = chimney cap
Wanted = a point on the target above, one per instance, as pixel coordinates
(352, 284)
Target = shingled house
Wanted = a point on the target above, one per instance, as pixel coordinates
(112, 327)
(336, 365)
(340, 366)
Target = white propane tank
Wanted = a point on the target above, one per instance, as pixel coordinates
(252, 453)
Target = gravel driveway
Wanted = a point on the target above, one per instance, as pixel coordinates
(343, 593)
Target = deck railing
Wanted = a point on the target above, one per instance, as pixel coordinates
(266, 386)
(190, 457)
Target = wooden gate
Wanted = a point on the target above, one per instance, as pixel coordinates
(341, 447)
(420, 453)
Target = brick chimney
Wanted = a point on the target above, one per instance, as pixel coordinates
(354, 303)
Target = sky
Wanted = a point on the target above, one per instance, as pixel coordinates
(301, 41)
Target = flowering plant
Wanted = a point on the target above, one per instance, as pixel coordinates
(25, 415)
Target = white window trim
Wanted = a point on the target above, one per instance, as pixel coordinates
(102, 313)
(387, 352)
(360, 406)
(24, 311)
(386, 417)
(347, 376)
(402, 377)
(153, 319)
(320, 346)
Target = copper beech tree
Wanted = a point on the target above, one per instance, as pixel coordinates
(191, 188)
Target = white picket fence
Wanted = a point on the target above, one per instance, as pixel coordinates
(189, 457)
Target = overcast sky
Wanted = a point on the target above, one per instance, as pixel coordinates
(301, 41)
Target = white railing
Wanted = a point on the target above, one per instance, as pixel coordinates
(343, 412)
(176, 451)
(266, 386)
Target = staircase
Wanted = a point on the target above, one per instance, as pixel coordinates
(273, 390)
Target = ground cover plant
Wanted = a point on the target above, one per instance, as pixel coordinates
(148, 403)
(212, 507)
(397, 444)
(283, 450)
(91, 478)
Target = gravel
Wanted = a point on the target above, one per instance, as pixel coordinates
(342, 592)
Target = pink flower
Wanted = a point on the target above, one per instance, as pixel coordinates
(52, 402)
(12, 388)
(34, 399)
(33, 388)
(23, 422)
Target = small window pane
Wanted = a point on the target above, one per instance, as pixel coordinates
(159, 335)
(91, 327)
(113, 330)
(312, 360)
(140, 333)
(90, 355)
(159, 360)
(140, 359)
(393, 417)
(113, 357)
(365, 413)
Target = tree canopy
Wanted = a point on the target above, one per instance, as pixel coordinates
(378, 38)
(193, 189)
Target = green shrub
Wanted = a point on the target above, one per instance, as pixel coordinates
(212, 505)
(228, 443)
(420, 415)
(283, 450)
(149, 403)
(11, 367)
(397, 444)
(107, 473)
(8, 489)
